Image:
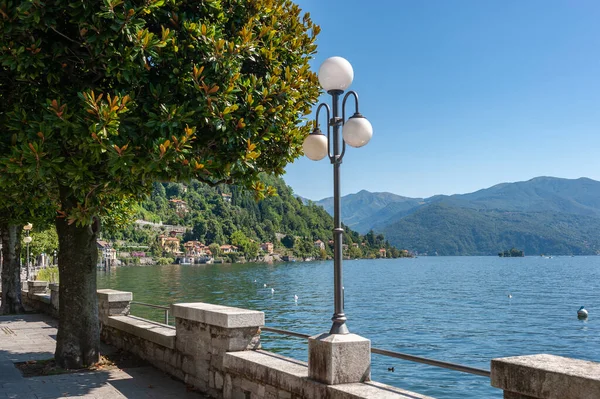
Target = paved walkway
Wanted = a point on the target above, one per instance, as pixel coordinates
(32, 337)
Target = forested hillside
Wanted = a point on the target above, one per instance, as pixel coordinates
(448, 230)
(544, 215)
(231, 215)
(364, 210)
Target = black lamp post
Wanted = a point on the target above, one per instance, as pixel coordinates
(335, 76)
(27, 241)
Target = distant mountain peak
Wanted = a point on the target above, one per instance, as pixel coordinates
(544, 213)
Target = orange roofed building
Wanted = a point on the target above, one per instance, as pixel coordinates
(267, 247)
(196, 248)
(227, 249)
(169, 244)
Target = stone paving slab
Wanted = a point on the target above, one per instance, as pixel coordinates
(33, 337)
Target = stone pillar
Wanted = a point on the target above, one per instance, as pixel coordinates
(54, 295)
(205, 333)
(113, 303)
(339, 358)
(546, 377)
(37, 287)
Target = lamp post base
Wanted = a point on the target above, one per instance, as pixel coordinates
(339, 327)
(339, 358)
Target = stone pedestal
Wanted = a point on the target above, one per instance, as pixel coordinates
(37, 287)
(113, 303)
(205, 333)
(546, 377)
(54, 294)
(339, 358)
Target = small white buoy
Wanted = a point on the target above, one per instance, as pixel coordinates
(295, 298)
(255, 280)
(582, 313)
(272, 290)
(265, 285)
(509, 295)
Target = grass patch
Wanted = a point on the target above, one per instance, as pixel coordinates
(49, 274)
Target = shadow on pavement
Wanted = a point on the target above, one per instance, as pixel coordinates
(33, 337)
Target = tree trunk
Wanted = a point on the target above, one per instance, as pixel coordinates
(78, 335)
(11, 269)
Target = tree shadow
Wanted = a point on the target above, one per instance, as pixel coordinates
(32, 337)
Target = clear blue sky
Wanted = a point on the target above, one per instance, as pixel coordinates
(462, 94)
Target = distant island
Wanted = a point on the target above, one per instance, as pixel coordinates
(513, 253)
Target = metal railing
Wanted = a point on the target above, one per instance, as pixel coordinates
(399, 355)
(165, 308)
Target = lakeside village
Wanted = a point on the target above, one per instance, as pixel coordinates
(173, 250)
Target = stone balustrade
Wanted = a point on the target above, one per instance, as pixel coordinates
(54, 295)
(37, 297)
(37, 287)
(546, 377)
(217, 350)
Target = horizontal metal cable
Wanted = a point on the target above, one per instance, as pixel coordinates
(285, 332)
(164, 308)
(398, 355)
(432, 362)
(150, 305)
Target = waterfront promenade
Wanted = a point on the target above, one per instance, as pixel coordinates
(33, 337)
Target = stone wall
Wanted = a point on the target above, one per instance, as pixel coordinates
(39, 297)
(216, 349)
(546, 377)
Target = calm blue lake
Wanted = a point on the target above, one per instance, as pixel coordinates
(454, 309)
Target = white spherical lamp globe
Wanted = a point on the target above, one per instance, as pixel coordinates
(315, 146)
(27, 240)
(357, 131)
(335, 73)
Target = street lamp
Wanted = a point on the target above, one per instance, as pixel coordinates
(27, 240)
(335, 76)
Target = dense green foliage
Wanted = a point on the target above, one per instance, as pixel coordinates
(43, 241)
(451, 230)
(49, 274)
(513, 253)
(214, 217)
(99, 99)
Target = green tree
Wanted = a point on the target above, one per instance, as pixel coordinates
(355, 252)
(370, 238)
(393, 252)
(323, 254)
(214, 232)
(215, 249)
(45, 241)
(249, 248)
(288, 241)
(99, 99)
(17, 209)
(199, 230)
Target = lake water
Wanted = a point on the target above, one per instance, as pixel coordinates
(454, 309)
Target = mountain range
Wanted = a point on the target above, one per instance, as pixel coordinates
(544, 215)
